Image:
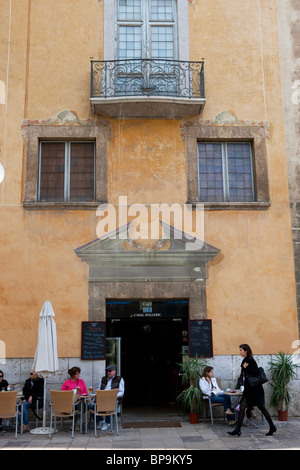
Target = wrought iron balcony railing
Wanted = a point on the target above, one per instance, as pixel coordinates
(147, 77)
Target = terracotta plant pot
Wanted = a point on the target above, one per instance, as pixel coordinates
(194, 418)
(282, 415)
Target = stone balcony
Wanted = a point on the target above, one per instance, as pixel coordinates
(144, 88)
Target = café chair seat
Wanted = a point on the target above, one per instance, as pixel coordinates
(105, 405)
(62, 406)
(9, 408)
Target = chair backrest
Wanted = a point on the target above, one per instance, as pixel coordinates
(62, 401)
(219, 383)
(106, 400)
(8, 401)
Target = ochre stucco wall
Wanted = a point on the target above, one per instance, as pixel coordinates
(251, 289)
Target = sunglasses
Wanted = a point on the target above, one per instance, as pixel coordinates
(1, 376)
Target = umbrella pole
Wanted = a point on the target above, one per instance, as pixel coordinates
(45, 359)
(44, 403)
(44, 429)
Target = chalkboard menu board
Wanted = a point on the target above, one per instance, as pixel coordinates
(200, 338)
(93, 340)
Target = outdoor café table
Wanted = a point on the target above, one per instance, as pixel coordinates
(234, 394)
(80, 401)
(83, 402)
(87, 400)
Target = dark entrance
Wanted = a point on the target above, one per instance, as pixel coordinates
(153, 340)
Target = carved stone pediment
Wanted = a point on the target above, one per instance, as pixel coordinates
(120, 258)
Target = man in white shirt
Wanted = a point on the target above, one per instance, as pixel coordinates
(110, 382)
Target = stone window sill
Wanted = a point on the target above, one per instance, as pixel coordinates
(61, 205)
(241, 206)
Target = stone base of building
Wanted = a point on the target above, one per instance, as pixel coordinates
(226, 368)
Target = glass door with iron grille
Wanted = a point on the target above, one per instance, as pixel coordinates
(113, 353)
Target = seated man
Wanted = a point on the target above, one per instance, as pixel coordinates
(33, 390)
(110, 382)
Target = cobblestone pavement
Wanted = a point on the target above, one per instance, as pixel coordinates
(200, 436)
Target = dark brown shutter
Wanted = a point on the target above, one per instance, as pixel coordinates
(82, 187)
(52, 171)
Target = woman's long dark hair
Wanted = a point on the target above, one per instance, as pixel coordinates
(206, 371)
(246, 348)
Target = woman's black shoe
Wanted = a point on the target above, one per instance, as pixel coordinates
(272, 431)
(235, 432)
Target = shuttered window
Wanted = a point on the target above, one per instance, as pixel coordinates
(67, 172)
(82, 172)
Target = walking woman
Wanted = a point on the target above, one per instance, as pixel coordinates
(252, 396)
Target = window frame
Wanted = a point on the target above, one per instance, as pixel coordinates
(85, 133)
(109, 51)
(67, 168)
(256, 134)
(225, 170)
(146, 23)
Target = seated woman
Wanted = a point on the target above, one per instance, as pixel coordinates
(75, 382)
(210, 387)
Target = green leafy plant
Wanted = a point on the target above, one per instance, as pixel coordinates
(191, 398)
(283, 370)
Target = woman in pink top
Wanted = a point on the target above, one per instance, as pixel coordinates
(74, 381)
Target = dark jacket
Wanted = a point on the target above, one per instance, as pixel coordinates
(114, 384)
(34, 389)
(3, 385)
(254, 395)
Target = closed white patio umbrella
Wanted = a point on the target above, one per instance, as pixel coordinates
(46, 360)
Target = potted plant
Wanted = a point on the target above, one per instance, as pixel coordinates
(190, 398)
(283, 369)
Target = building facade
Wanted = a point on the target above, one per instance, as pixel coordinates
(288, 34)
(112, 111)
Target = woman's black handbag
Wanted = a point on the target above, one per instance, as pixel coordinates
(259, 380)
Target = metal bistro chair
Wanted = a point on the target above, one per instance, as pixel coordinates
(105, 405)
(62, 406)
(120, 412)
(211, 406)
(9, 408)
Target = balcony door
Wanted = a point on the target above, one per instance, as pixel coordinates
(146, 29)
(146, 47)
